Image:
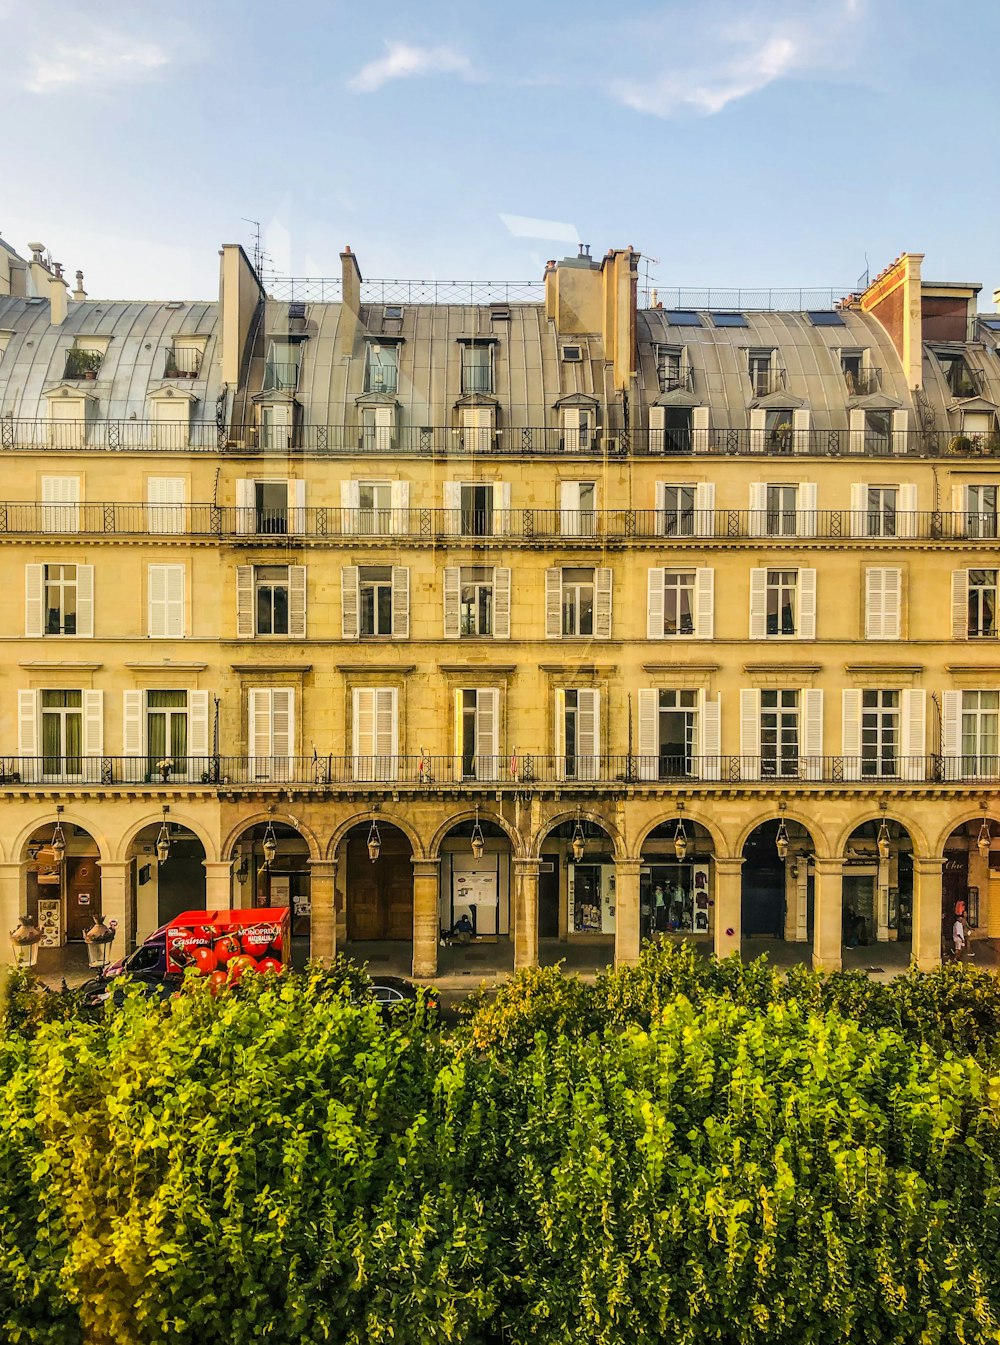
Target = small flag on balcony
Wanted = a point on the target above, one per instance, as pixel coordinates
(513, 763)
(421, 768)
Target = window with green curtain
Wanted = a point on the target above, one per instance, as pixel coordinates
(166, 729)
(62, 732)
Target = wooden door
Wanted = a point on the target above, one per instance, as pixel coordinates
(83, 895)
(379, 895)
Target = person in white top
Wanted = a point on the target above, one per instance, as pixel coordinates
(958, 938)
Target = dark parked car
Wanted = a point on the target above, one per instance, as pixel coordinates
(394, 996)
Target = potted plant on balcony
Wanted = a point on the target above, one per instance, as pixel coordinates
(960, 445)
(24, 939)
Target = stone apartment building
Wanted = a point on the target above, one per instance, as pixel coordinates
(587, 617)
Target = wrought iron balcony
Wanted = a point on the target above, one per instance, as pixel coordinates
(515, 771)
(863, 382)
(182, 362)
(444, 441)
(353, 527)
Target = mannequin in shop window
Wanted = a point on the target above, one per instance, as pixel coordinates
(659, 908)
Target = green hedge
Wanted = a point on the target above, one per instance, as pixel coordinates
(684, 1152)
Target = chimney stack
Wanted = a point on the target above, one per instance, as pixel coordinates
(38, 271)
(79, 294)
(351, 280)
(57, 297)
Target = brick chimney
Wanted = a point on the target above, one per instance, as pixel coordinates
(895, 298)
(350, 273)
(57, 296)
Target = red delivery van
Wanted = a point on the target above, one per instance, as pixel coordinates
(251, 940)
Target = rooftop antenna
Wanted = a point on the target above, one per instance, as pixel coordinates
(258, 255)
(863, 278)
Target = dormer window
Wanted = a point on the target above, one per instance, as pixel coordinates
(477, 366)
(381, 367)
(83, 362)
(957, 373)
(281, 371)
(183, 358)
(861, 379)
(765, 374)
(672, 369)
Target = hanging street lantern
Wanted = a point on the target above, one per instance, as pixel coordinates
(58, 842)
(578, 842)
(163, 839)
(478, 840)
(883, 840)
(680, 835)
(374, 841)
(781, 837)
(984, 841)
(269, 845)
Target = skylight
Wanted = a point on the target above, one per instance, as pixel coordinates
(728, 319)
(682, 318)
(826, 317)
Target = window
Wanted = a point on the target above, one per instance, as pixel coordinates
(826, 318)
(477, 428)
(62, 733)
(883, 603)
(392, 312)
(682, 318)
(182, 361)
(783, 603)
(982, 604)
(270, 508)
(572, 354)
(576, 508)
(281, 369)
(60, 504)
(880, 733)
(981, 511)
(277, 426)
(676, 733)
(476, 601)
(781, 511)
(679, 735)
(676, 510)
(680, 603)
(765, 376)
(778, 426)
(270, 600)
(381, 367)
(82, 362)
(374, 506)
(980, 736)
(957, 374)
(165, 496)
(577, 429)
(477, 733)
(779, 733)
(470, 508)
(677, 423)
(375, 736)
(60, 600)
(167, 733)
(578, 603)
(477, 367)
(728, 320)
(671, 370)
(271, 732)
(860, 377)
(375, 601)
(165, 616)
(878, 431)
(881, 511)
(578, 731)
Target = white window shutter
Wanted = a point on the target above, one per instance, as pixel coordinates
(156, 617)
(244, 602)
(851, 732)
(812, 713)
(571, 429)
(649, 742)
(569, 508)
(758, 604)
(951, 734)
(913, 733)
(34, 601)
(453, 602)
(710, 735)
(453, 506)
(297, 507)
(60, 504)
(654, 603)
(246, 511)
(856, 430)
(165, 496)
(501, 603)
(386, 745)
(959, 510)
(805, 514)
(892, 603)
(657, 420)
(800, 430)
(350, 602)
(85, 600)
(199, 731)
(133, 724)
(900, 426)
(458, 726)
(363, 733)
(602, 602)
(350, 505)
(704, 603)
(297, 601)
(859, 512)
(259, 731)
(749, 733)
(501, 508)
(553, 604)
(588, 737)
(704, 509)
(959, 604)
(282, 722)
(699, 428)
(487, 733)
(758, 429)
(758, 508)
(659, 505)
(883, 594)
(401, 602)
(27, 725)
(93, 733)
(559, 733)
(907, 512)
(807, 604)
(399, 499)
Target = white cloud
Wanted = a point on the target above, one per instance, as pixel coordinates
(756, 48)
(110, 58)
(525, 226)
(402, 62)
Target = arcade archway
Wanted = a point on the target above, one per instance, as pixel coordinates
(271, 869)
(577, 893)
(777, 887)
(62, 881)
(877, 890)
(166, 874)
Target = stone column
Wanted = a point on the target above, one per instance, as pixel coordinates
(828, 915)
(728, 906)
(525, 913)
(426, 918)
(115, 904)
(11, 884)
(218, 884)
(322, 907)
(627, 911)
(926, 951)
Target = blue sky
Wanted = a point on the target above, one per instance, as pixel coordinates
(753, 142)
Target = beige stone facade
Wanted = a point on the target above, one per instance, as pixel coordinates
(558, 565)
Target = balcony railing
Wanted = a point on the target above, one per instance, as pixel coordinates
(517, 772)
(674, 378)
(506, 441)
(353, 526)
(863, 382)
(765, 380)
(182, 362)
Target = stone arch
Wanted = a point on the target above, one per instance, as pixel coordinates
(534, 849)
(690, 815)
(916, 833)
(261, 818)
(517, 843)
(966, 816)
(793, 814)
(364, 819)
(129, 835)
(104, 848)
